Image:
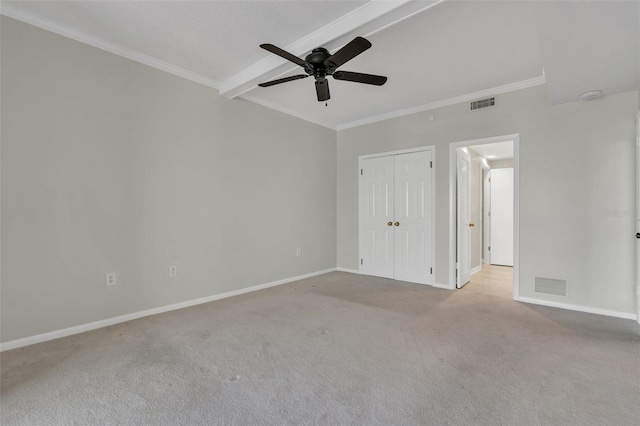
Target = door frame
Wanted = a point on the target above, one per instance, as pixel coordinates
(361, 158)
(516, 205)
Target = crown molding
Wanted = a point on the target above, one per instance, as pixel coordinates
(367, 19)
(536, 81)
(64, 30)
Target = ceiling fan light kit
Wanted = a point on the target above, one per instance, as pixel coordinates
(320, 64)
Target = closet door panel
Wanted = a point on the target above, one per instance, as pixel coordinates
(377, 195)
(412, 222)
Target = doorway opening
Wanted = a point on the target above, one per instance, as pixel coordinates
(484, 237)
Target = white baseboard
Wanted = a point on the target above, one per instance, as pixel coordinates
(351, 271)
(445, 286)
(476, 269)
(18, 343)
(578, 308)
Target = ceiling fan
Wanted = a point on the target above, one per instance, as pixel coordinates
(320, 64)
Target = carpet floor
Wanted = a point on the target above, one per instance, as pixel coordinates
(337, 349)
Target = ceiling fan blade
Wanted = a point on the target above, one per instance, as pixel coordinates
(359, 77)
(283, 80)
(284, 54)
(322, 90)
(348, 52)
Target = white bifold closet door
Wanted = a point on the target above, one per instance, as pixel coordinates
(397, 207)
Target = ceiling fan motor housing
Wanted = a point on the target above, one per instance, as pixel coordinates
(316, 59)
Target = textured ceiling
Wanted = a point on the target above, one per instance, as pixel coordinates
(453, 50)
(589, 46)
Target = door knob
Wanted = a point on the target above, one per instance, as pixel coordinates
(397, 223)
(389, 223)
(471, 225)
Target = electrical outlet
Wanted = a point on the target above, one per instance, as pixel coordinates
(298, 252)
(173, 271)
(110, 279)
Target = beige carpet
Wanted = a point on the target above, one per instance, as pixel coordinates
(337, 349)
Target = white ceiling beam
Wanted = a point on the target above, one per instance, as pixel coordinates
(368, 19)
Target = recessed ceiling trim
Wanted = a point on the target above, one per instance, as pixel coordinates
(83, 37)
(536, 81)
(368, 19)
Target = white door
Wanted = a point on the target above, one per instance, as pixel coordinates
(486, 215)
(464, 220)
(638, 216)
(376, 199)
(502, 217)
(413, 217)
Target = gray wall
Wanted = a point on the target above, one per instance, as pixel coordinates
(109, 165)
(576, 163)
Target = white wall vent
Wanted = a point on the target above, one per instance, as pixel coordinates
(483, 103)
(551, 286)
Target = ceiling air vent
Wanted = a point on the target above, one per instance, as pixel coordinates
(551, 286)
(483, 103)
